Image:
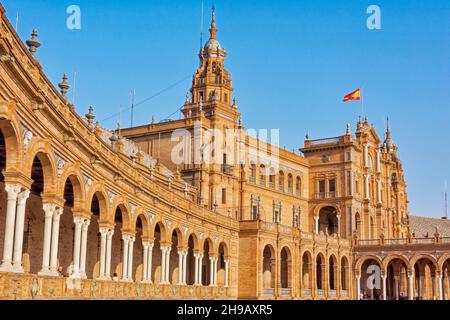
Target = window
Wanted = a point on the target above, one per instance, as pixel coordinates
(357, 186)
(224, 196)
(281, 181)
(226, 97)
(348, 156)
(322, 186)
(290, 183)
(332, 185)
(298, 186)
(349, 183)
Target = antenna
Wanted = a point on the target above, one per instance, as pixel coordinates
(133, 96)
(74, 91)
(201, 27)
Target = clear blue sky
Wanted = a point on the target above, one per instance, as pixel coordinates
(291, 62)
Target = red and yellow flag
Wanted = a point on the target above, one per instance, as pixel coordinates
(355, 95)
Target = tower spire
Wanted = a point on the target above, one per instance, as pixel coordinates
(213, 29)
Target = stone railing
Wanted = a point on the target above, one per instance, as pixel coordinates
(28, 287)
(268, 291)
(306, 292)
(285, 291)
(320, 292)
(332, 293)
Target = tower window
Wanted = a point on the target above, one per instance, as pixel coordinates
(226, 98)
(224, 196)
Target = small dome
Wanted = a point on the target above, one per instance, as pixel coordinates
(212, 44)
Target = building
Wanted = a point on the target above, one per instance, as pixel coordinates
(197, 207)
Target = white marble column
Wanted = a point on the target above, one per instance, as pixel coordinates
(102, 271)
(109, 237)
(163, 264)
(167, 277)
(149, 263)
(316, 224)
(13, 192)
(144, 261)
(366, 155)
(18, 236)
(130, 258)
(396, 293)
(383, 279)
(367, 194)
(76, 247)
(227, 271)
(48, 212)
(84, 235)
(200, 269)
(439, 287)
(410, 286)
(180, 267)
(378, 161)
(211, 271)
(358, 287)
(55, 241)
(125, 246)
(379, 191)
(185, 267)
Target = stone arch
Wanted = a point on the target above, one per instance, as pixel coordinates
(41, 150)
(10, 130)
(140, 214)
(442, 260)
(193, 248)
(387, 260)
(208, 251)
(103, 203)
(176, 243)
(359, 263)
(159, 234)
(328, 218)
(428, 257)
(122, 204)
(78, 188)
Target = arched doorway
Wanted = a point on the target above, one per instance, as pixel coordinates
(174, 257)
(157, 254)
(425, 284)
(117, 246)
(332, 274)
(268, 270)
(138, 251)
(98, 207)
(320, 272)
(328, 220)
(285, 271)
(222, 272)
(190, 263)
(35, 218)
(358, 225)
(206, 265)
(445, 280)
(307, 273)
(397, 280)
(370, 282)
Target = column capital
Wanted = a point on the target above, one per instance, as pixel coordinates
(78, 221)
(126, 237)
(13, 190)
(23, 197)
(57, 213)
(103, 231)
(17, 178)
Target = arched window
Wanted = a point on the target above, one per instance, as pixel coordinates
(298, 186)
(252, 173)
(262, 175)
(290, 183)
(272, 178)
(281, 181)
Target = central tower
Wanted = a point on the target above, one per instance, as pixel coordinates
(211, 85)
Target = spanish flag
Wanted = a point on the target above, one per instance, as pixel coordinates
(355, 95)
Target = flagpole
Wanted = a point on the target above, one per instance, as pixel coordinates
(362, 103)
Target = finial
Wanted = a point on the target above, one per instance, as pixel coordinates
(240, 121)
(90, 116)
(33, 43)
(187, 98)
(307, 135)
(64, 86)
(349, 132)
(234, 103)
(213, 29)
(153, 120)
(366, 121)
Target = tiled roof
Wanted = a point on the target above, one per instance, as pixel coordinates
(421, 226)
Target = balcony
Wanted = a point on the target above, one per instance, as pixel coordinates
(227, 169)
(252, 180)
(272, 185)
(325, 195)
(262, 182)
(320, 293)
